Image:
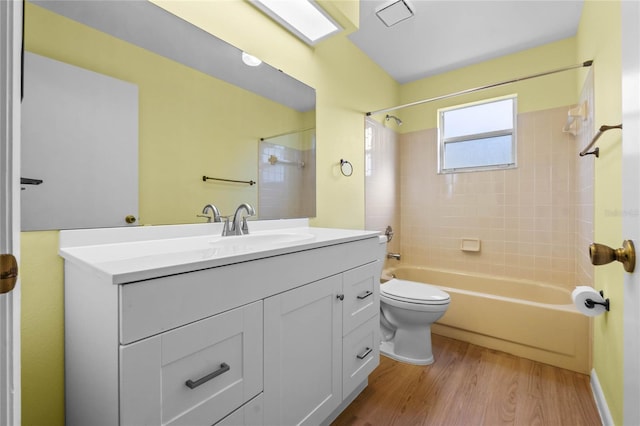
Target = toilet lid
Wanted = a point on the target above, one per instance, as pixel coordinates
(414, 292)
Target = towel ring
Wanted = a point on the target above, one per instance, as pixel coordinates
(346, 168)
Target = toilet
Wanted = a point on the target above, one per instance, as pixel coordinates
(407, 310)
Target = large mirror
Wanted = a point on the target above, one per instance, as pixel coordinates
(211, 129)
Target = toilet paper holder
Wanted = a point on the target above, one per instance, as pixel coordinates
(592, 303)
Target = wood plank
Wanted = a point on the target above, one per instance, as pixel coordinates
(472, 385)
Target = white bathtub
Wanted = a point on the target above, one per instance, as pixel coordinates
(524, 318)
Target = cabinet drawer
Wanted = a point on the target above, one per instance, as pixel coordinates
(195, 374)
(361, 288)
(360, 354)
(158, 305)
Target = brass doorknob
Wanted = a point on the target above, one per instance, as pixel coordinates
(8, 273)
(601, 255)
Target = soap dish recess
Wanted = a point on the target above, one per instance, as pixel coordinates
(470, 244)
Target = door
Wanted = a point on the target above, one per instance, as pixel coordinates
(10, 51)
(76, 126)
(631, 203)
(303, 353)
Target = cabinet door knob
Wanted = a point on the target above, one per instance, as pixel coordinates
(340, 296)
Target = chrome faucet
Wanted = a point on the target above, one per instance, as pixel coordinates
(214, 211)
(238, 228)
(395, 256)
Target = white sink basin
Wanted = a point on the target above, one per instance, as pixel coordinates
(178, 250)
(238, 244)
(260, 240)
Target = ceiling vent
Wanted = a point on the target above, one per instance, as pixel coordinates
(395, 12)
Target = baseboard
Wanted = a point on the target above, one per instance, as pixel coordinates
(601, 402)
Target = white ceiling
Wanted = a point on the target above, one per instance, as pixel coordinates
(444, 35)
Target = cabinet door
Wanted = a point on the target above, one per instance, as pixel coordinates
(361, 295)
(196, 374)
(303, 353)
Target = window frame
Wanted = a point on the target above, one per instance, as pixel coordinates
(442, 141)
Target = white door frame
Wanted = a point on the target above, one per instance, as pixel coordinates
(631, 204)
(10, 96)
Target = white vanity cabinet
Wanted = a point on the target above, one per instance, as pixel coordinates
(278, 337)
(321, 342)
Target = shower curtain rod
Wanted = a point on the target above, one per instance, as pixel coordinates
(287, 133)
(477, 89)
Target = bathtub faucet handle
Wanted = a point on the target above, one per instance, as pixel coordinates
(395, 256)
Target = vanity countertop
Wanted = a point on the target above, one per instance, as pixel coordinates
(123, 255)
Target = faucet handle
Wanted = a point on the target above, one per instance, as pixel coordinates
(214, 211)
(204, 215)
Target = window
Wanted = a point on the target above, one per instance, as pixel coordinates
(478, 136)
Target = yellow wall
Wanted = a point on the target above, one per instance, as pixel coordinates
(599, 38)
(347, 83)
(42, 329)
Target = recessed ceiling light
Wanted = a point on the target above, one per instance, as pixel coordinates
(395, 12)
(250, 60)
(304, 18)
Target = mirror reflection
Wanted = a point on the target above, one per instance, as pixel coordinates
(287, 171)
(201, 110)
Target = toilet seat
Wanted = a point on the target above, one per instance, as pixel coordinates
(413, 292)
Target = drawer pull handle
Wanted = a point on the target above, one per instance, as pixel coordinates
(224, 367)
(363, 355)
(365, 294)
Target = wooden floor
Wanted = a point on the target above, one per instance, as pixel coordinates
(472, 385)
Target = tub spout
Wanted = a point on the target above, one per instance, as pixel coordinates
(395, 256)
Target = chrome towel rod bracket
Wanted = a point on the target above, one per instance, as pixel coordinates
(596, 151)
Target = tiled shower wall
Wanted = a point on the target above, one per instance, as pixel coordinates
(528, 219)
